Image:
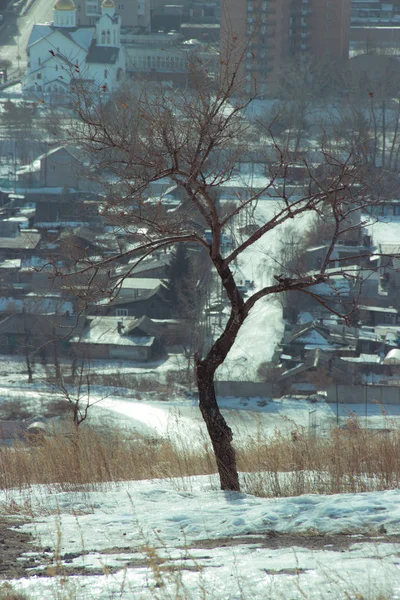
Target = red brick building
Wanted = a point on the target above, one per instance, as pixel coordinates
(269, 34)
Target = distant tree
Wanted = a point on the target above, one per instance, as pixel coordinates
(27, 347)
(78, 394)
(178, 283)
(369, 112)
(186, 290)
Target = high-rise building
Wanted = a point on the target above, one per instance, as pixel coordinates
(264, 36)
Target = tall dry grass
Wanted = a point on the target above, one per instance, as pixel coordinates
(353, 459)
(86, 456)
(347, 460)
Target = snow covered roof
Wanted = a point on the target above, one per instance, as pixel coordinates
(105, 330)
(81, 36)
(312, 337)
(24, 241)
(10, 263)
(392, 357)
(363, 358)
(336, 286)
(140, 283)
(379, 309)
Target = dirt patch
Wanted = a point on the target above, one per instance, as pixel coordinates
(312, 541)
(12, 545)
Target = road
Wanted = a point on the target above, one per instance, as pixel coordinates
(15, 33)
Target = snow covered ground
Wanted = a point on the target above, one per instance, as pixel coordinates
(214, 544)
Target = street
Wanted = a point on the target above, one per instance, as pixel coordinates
(16, 31)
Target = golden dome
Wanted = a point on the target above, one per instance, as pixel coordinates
(64, 5)
(108, 4)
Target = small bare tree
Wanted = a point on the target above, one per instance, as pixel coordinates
(78, 394)
(196, 137)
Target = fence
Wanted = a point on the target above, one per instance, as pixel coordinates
(363, 394)
(248, 389)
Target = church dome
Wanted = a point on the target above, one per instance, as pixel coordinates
(64, 5)
(108, 4)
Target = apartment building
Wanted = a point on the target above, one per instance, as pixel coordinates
(133, 13)
(375, 25)
(269, 34)
(374, 12)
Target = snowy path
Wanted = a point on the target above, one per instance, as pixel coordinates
(263, 328)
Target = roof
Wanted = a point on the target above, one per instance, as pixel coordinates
(64, 5)
(145, 324)
(140, 283)
(379, 309)
(147, 265)
(157, 291)
(104, 55)
(69, 149)
(26, 240)
(104, 330)
(363, 359)
(82, 36)
(38, 325)
(393, 356)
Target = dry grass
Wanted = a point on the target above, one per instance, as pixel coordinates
(353, 459)
(348, 460)
(8, 593)
(91, 457)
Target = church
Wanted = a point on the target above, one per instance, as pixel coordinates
(61, 54)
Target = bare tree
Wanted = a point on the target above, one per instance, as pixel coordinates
(27, 347)
(78, 395)
(195, 138)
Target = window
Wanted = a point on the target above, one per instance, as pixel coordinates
(39, 76)
(108, 37)
(105, 73)
(121, 312)
(39, 60)
(103, 37)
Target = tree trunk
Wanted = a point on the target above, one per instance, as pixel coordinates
(220, 433)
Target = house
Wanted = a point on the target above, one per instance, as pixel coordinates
(81, 243)
(62, 55)
(154, 268)
(378, 315)
(63, 167)
(36, 333)
(36, 304)
(60, 209)
(153, 303)
(318, 335)
(343, 254)
(18, 243)
(119, 338)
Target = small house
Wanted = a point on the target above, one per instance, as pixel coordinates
(118, 338)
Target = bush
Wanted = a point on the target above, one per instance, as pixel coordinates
(15, 410)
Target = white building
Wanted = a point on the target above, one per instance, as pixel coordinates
(61, 53)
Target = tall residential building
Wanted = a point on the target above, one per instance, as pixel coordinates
(272, 33)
